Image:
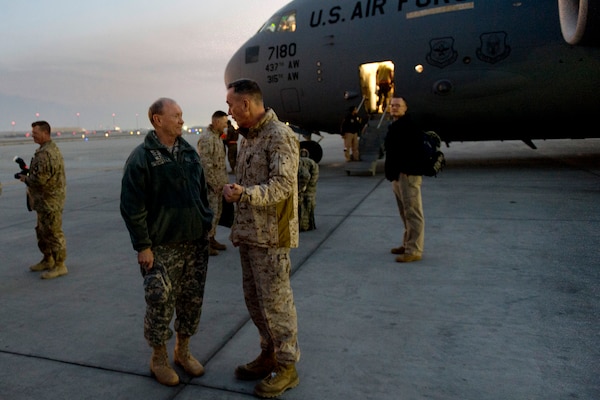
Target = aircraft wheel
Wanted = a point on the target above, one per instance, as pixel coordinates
(315, 151)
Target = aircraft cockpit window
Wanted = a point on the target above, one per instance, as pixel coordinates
(281, 23)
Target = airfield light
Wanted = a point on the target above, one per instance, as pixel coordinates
(419, 68)
(83, 135)
(105, 134)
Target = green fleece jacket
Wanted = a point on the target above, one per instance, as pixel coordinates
(164, 199)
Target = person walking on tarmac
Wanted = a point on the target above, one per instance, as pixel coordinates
(350, 130)
(212, 157)
(164, 203)
(46, 193)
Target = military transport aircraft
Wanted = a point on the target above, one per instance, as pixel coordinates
(471, 70)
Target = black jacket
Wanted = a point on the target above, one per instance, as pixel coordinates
(403, 149)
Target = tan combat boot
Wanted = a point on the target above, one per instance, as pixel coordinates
(282, 378)
(59, 268)
(46, 263)
(262, 366)
(216, 245)
(160, 367)
(184, 358)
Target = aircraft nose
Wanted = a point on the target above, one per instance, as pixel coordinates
(233, 70)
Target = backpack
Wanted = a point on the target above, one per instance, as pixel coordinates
(433, 160)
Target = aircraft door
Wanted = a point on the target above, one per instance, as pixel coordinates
(377, 85)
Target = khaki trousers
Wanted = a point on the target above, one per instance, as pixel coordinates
(407, 190)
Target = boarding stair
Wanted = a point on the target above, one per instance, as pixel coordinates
(370, 146)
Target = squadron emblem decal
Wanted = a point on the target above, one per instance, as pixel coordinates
(493, 47)
(441, 52)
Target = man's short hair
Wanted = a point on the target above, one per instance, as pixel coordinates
(44, 126)
(219, 114)
(158, 106)
(246, 87)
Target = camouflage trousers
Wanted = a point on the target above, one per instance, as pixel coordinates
(215, 202)
(270, 301)
(307, 202)
(50, 236)
(175, 284)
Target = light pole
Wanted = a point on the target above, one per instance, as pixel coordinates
(13, 123)
(78, 125)
(137, 127)
(114, 125)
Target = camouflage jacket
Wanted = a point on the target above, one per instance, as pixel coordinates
(212, 156)
(164, 199)
(46, 182)
(267, 168)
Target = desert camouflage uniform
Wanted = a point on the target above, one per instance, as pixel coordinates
(212, 156)
(308, 175)
(46, 193)
(265, 228)
(307, 194)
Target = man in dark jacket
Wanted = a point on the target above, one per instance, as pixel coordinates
(164, 203)
(403, 159)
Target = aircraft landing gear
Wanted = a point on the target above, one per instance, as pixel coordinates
(315, 151)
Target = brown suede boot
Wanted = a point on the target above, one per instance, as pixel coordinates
(46, 263)
(262, 366)
(160, 367)
(216, 245)
(184, 358)
(282, 378)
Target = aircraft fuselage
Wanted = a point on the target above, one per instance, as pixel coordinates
(470, 70)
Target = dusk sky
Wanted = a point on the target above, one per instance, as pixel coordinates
(63, 57)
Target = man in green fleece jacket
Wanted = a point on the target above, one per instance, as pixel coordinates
(164, 203)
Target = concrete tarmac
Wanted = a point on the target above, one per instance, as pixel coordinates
(504, 305)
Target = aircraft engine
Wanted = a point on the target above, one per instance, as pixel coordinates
(580, 21)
